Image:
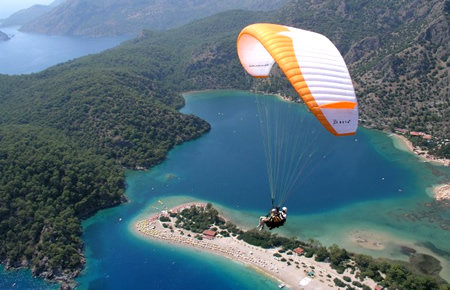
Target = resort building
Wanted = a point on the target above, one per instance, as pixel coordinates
(414, 133)
(208, 234)
(299, 251)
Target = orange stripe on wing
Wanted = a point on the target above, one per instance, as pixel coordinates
(339, 105)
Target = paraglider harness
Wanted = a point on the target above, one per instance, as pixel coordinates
(274, 221)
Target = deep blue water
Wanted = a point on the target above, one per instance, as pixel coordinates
(28, 53)
(226, 166)
(21, 279)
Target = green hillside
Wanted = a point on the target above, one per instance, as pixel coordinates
(47, 185)
(398, 54)
(118, 17)
(67, 133)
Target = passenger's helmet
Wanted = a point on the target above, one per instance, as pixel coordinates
(284, 209)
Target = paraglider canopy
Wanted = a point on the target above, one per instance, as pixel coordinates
(313, 65)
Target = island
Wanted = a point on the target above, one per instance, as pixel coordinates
(294, 263)
(442, 192)
(4, 36)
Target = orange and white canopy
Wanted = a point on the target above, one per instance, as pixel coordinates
(312, 64)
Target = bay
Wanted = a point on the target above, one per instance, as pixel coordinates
(366, 188)
(225, 166)
(28, 53)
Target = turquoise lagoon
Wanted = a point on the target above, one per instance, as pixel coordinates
(366, 190)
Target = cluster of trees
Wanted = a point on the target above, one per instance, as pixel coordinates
(197, 219)
(387, 273)
(267, 240)
(437, 148)
(390, 274)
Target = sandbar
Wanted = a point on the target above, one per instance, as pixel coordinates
(302, 273)
(368, 240)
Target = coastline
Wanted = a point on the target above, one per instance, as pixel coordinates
(440, 192)
(406, 145)
(296, 271)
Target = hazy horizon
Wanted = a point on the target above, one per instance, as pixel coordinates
(10, 7)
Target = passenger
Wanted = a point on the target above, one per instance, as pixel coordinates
(283, 214)
(265, 219)
(274, 219)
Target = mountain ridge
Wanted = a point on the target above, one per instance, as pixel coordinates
(118, 17)
(119, 108)
(26, 15)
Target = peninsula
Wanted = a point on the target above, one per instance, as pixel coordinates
(294, 263)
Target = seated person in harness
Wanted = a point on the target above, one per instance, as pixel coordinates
(274, 219)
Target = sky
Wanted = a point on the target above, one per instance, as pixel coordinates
(8, 7)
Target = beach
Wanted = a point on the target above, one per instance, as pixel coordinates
(293, 270)
(423, 155)
(225, 167)
(441, 192)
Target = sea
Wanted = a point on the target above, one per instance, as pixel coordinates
(27, 53)
(369, 195)
(367, 188)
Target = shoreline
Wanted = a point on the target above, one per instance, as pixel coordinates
(295, 272)
(440, 192)
(422, 155)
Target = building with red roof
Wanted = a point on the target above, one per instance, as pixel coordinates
(299, 251)
(208, 234)
(414, 133)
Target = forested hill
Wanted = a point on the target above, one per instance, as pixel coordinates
(117, 17)
(67, 133)
(399, 58)
(26, 15)
(398, 54)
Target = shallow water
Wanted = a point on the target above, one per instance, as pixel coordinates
(367, 187)
(376, 186)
